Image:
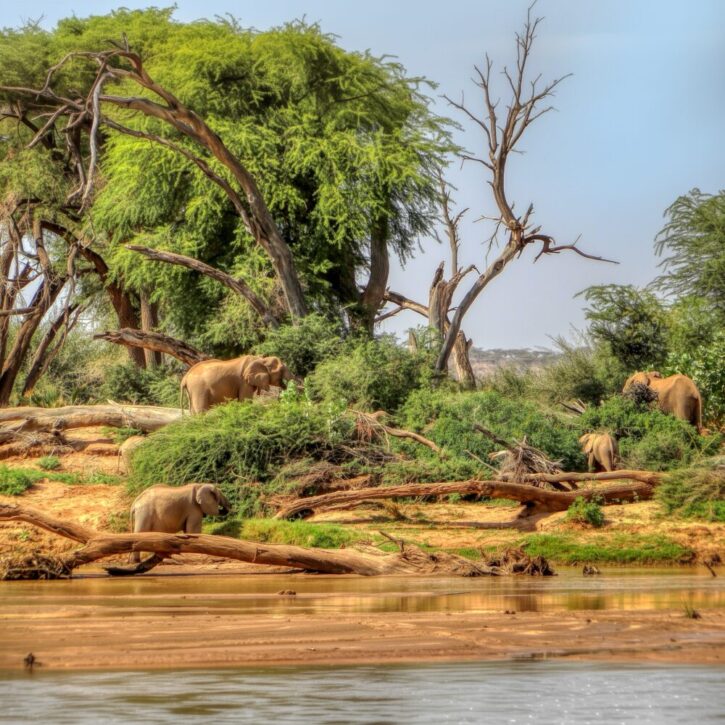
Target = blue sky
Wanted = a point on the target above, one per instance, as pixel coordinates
(639, 123)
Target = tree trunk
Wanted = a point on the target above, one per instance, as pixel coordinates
(41, 359)
(121, 300)
(43, 299)
(373, 295)
(149, 323)
(462, 361)
(536, 499)
(97, 545)
(17, 422)
(138, 339)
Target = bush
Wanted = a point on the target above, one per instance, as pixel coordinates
(697, 492)
(49, 463)
(648, 438)
(447, 418)
(588, 513)
(239, 443)
(14, 481)
(304, 345)
(297, 533)
(370, 374)
(128, 383)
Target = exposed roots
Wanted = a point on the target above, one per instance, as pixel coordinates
(517, 561)
(33, 566)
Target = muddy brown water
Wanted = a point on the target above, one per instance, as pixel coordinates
(620, 589)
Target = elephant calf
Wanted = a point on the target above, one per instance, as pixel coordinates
(601, 450)
(169, 509)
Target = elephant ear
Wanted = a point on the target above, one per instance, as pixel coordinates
(206, 498)
(654, 375)
(273, 364)
(586, 442)
(257, 375)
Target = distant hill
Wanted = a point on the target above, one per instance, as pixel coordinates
(485, 362)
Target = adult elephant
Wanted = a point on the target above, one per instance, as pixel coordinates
(169, 509)
(212, 382)
(601, 451)
(676, 394)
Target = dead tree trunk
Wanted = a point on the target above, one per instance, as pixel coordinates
(137, 339)
(18, 422)
(536, 499)
(98, 545)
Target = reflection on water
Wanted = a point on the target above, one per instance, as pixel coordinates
(617, 589)
(541, 692)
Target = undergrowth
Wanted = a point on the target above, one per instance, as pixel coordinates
(296, 533)
(695, 493)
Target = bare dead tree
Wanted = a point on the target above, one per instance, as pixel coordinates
(86, 111)
(528, 100)
(440, 294)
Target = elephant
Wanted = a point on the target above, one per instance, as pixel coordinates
(601, 450)
(676, 394)
(169, 509)
(125, 450)
(212, 382)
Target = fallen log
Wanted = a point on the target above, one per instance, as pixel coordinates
(650, 477)
(25, 420)
(370, 562)
(154, 341)
(535, 499)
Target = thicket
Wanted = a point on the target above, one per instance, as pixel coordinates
(696, 492)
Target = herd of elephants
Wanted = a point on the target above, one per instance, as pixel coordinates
(170, 509)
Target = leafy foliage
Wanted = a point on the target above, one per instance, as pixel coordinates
(692, 245)
(585, 512)
(127, 383)
(631, 322)
(304, 345)
(370, 374)
(14, 481)
(448, 417)
(697, 492)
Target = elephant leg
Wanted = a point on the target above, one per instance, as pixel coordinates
(192, 525)
(592, 462)
(200, 401)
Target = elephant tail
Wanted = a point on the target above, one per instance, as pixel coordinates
(182, 388)
(698, 414)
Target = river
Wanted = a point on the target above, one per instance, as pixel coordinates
(508, 692)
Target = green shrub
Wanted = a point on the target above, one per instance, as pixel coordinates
(447, 418)
(239, 443)
(586, 512)
(128, 383)
(49, 463)
(697, 492)
(14, 481)
(304, 345)
(297, 533)
(370, 374)
(648, 438)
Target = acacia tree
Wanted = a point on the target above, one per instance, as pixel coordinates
(527, 101)
(345, 169)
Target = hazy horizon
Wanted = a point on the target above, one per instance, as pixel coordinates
(638, 124)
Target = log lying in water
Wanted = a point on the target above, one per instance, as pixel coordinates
(536, 500)
(17, 422)
(98, 545)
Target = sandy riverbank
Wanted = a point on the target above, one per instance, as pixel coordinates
(174, 630)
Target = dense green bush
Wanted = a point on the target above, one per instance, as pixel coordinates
(304, 345)
(447, 418)
(697, 492)
(585, 512)
(238, 443)
(14, 481)
(370, 374)
(128, 383)
(647, 437)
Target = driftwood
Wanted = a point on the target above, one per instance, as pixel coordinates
(154, 341)
(535, 499)
(15, 423)
(371, 562)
